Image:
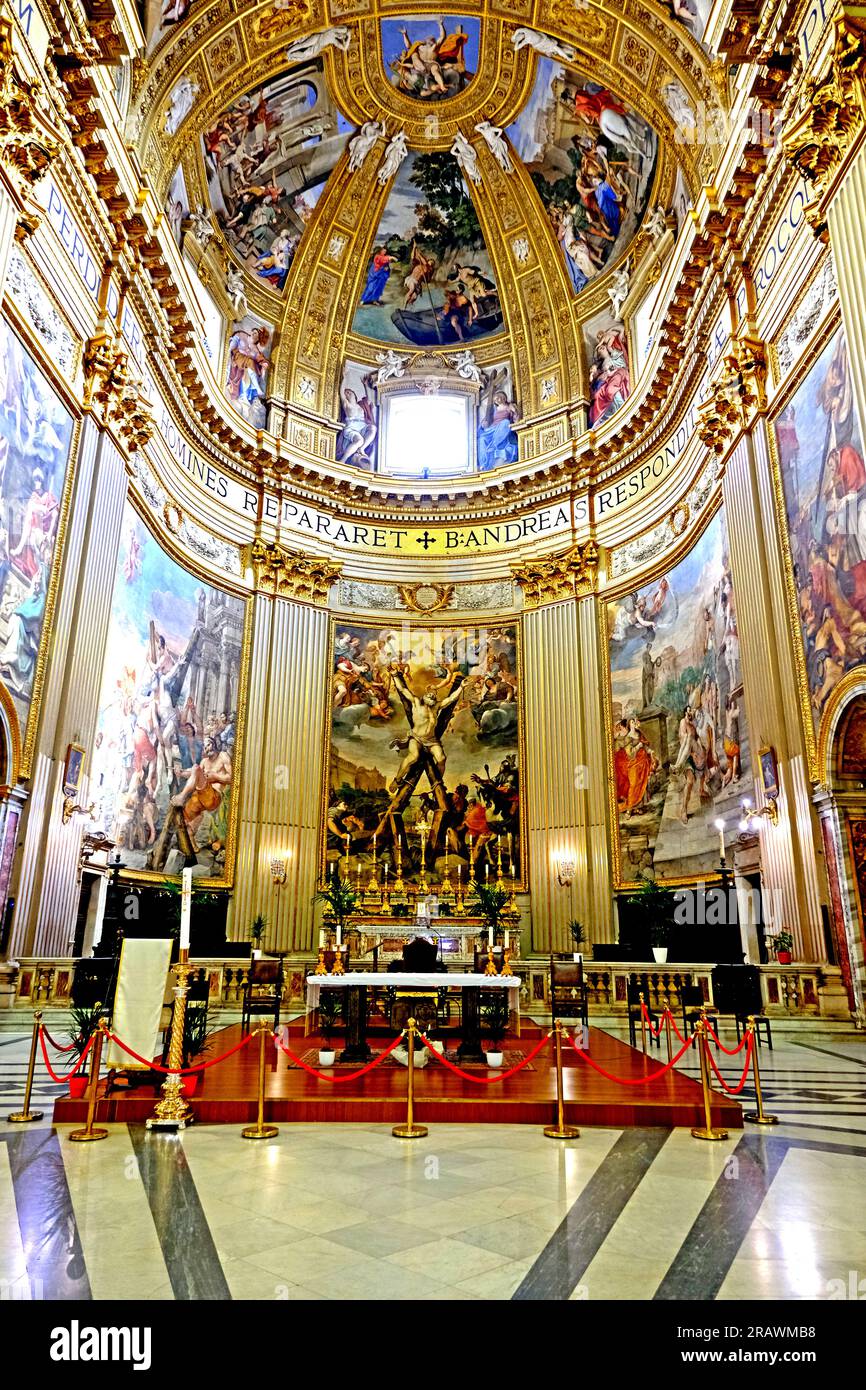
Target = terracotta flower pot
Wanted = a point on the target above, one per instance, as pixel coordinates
(77, 1087)
(783, 957)
(189, 1085)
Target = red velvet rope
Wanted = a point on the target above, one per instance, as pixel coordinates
(628, 1080)
(734, 1090)
(59, 1046)
(181, 1071)
(61, 1080)
(728, 1051)
(338, 1080)
(484, 1080)
(656, 1032)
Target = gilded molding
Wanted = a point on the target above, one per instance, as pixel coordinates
(110, 385)
(290, 574)
(737, 396)
(411, 596)
(29, 140)
(573, 574)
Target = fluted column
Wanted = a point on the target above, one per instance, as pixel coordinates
(281, 791)
(565, 777)
(846, 219)
(48, 886)
(791, 868)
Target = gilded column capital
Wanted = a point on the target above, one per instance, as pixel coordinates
(833, 113)
(290, 574)
(738, 395)
(112, 388)
(573, 574)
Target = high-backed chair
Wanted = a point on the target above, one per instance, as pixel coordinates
(420, 957)
(737, 991)
(567, 991)
(693, 1004)
(634, 989)
(262, 992)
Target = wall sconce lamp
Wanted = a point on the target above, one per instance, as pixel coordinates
(752, 818)
(71, 808)
(565, 871)
(278, 872)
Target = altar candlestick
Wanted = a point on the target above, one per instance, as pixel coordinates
(487, 873)
(506, 940)
(720, 826)
(185, 907)
(322, 937)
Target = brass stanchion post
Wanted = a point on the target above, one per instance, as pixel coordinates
(668, 1038)
(757, 1117)
(88, 1133)
(25, 1114)
(260, 1130)
(707, 1132)
(642, 1023)
(172, 1112)
(410, 1130)
(560, 1130)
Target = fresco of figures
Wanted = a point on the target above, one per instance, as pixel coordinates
(177, 205)
(249, 353)
(692, 15)
(424, 727)
(680, 748)
(609, 366)
(161, 17)
(498, 413)
(592, 161)
(824, 483)
(267, 159)
(359, 417)
(166, 747)
(429, 278)
(35, 439)
(430, 57)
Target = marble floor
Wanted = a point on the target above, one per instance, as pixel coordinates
(345, 1211)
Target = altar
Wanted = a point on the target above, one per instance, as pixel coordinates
(358, 982)
(381, 939)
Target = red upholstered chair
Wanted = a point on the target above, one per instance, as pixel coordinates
(567, 991)
(262, 992)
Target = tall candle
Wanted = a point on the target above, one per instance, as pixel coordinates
(490, 934)
(720, 826)
(487, 872)
(185, 907)
(507, 940)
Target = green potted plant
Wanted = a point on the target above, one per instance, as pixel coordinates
(82, 1025)
(198, 1025)
(578, 936)
(257, 931)
(330, 1010)
(495, 1014)
(782, 944)
(339, 900)
(492, 902)
(654, 905)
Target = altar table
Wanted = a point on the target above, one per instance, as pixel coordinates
(357, 982)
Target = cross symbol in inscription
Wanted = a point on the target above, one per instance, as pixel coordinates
(425, 540)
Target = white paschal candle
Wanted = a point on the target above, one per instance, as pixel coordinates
(185, 907)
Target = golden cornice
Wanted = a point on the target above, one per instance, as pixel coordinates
(572, 574)
(290, 574)
(29, 138)
(737, 396)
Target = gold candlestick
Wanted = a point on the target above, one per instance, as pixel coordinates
(172, 1112)
(321, 968)
(398, 892)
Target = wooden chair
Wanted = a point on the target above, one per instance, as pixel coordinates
(634, 989)
(693, 1004)
(263, 992)
(567, 991)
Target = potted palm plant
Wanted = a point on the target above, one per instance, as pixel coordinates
(578, 936)
(257, 931)
(654, 905)
(495, 1014)
(82, 1025)
(492, 902)
(339, 900)
(782, 944)
(330, 1010)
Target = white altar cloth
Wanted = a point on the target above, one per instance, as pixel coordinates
(398, 979)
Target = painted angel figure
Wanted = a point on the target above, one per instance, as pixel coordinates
(497, 144)
(394, 155)
(234, 288)
(337, 36)
(201, 227)
(618, 289)
(391, 366)
(678, 104)
(466, 367)
(466, 157)
(543, 44)
(361, 144)
(182, 101)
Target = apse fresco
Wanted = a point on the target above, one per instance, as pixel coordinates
(609, 367)
(429, 278)
(166, 746)
(268, 158)
(424, 724)
(430, 57)
(249, 353)
(824, 484)
(35, 439)
(592, 160)
(680, 746)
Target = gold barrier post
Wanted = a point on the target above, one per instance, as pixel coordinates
(410, 1130)
(668, 1037)
(560, 1130)
(642, 1023)
(707, 1132)
(24, 1115)
(260, 1130)
(88, 1133)
(757, 1117)
(172, 1112)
